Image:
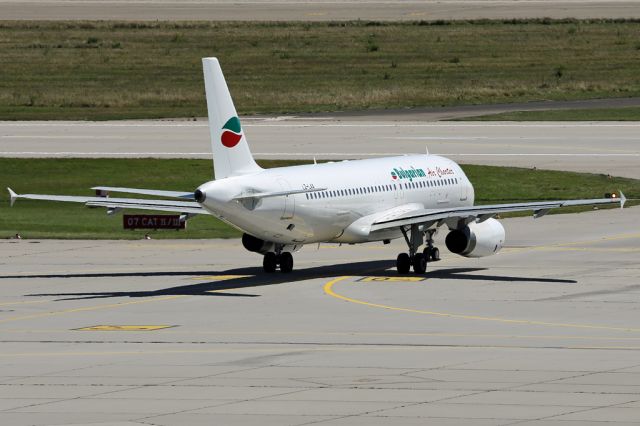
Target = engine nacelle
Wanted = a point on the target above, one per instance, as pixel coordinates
(476, 239)
(257, 245)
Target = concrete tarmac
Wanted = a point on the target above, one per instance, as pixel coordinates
(316, 10)
(595, 147)
(545, 333)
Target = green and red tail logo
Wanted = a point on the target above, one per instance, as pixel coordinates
(231, 132)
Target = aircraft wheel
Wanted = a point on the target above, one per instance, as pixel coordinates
(403, 263)
(432, 253)
(435, 254)
(419, 263)
(269, 262)
(286, 262)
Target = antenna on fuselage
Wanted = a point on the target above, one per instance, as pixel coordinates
(426, 148)
(314, 160)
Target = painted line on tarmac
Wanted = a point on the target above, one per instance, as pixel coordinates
(190, 332)
(330, 122)
(308, 347)
(571, 245)
(328, 289)
(107, 306)
(112, 327)
(307, 154)
(28, 302)
(87, 308)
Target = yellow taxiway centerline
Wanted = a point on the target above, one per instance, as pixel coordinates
(328, 289)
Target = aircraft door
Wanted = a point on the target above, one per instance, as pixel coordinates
(289, 202)
(398, 191)
(464, 190)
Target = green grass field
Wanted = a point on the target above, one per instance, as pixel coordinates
(42, 219)
(595, 114)
(116, 70)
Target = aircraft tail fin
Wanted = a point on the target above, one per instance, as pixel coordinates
(231, 154)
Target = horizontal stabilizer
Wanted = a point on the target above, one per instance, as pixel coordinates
(153, 192)
(120, 203)
(12, 196)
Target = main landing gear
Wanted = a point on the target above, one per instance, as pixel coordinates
(280, 258)
(416, 259)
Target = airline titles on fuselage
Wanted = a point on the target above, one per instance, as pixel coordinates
(412, 173)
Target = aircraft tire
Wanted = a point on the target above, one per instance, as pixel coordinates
(269, 262)
(432, 253)
(403, 263)
(435, 254)
(419, 263)
(286, 262)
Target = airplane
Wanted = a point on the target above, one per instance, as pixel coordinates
(280, 210)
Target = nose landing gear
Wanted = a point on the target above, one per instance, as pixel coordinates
(415, 258)
(272, 260)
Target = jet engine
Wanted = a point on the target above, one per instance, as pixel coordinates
(477, 239)
(257, 245)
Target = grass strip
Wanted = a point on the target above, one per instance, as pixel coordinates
(115, 70)
(42, 219)
(596, 114)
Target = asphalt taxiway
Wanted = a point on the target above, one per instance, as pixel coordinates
(191, 332)
(316, 10)
(594, 147)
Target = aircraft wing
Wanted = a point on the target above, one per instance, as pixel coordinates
(118, 203)
(482, 213)
(153, 192)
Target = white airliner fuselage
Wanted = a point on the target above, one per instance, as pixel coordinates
(350, 190)
(279, 210)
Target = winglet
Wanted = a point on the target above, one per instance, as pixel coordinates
(12, 196)
(623, 199)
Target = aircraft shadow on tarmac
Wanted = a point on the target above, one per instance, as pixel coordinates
(254, 277)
